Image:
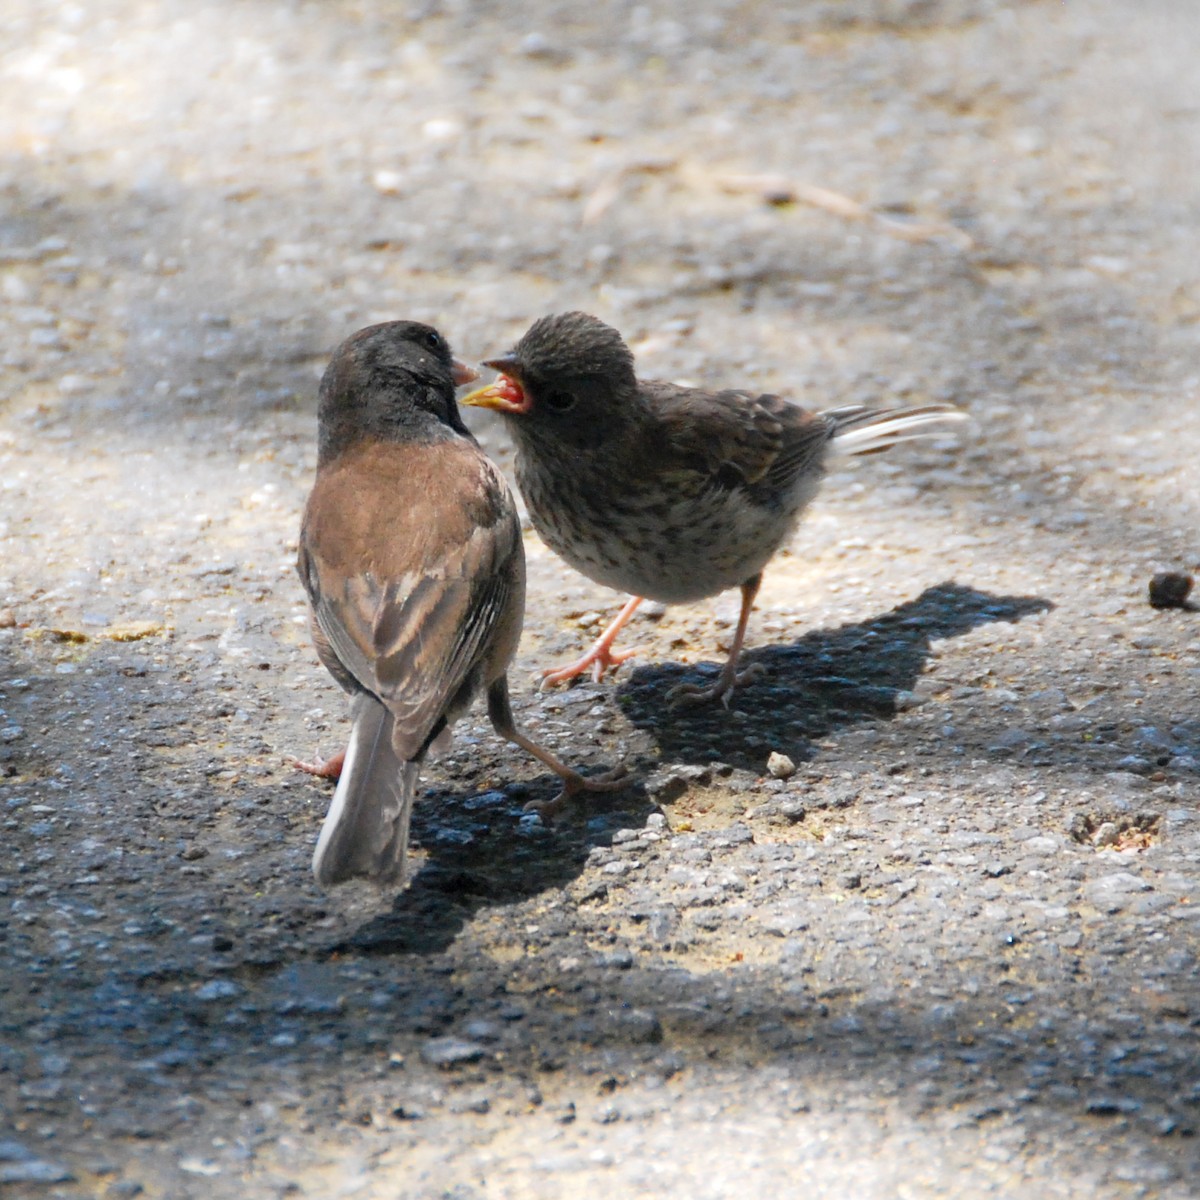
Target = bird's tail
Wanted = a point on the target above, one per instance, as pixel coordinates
(861, 430)
(366, 828)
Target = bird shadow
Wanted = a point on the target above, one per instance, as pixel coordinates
(484, 851)
(829, 679)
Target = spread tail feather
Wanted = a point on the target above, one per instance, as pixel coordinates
(366, 828)
(860, 430)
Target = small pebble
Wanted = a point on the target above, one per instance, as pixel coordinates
(1111, 1106)
(793, 810)
(451, 1052)
(621, 959)
(34, 1170)
(390, 183)
(199, 1166)
(482, 1030)
(217, 989)
(1170, 590)
(635, 1025)
(779, 766)
(537, 45)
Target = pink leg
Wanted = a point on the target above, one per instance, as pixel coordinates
(500, 712)
(322, 768)
(601, 656)
(694, 693)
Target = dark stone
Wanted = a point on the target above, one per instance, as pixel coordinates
(1170, 590)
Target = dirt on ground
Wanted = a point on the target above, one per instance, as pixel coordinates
(950, 949)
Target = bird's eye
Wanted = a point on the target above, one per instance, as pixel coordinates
(435, 341)
(559, 401)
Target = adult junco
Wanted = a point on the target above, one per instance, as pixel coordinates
(667, 492)
(412, 558)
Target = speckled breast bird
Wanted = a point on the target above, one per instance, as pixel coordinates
(412, 559)
(667, 492)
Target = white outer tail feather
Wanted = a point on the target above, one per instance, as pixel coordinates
(366, 828)
(862, 430)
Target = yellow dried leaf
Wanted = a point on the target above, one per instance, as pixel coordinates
(134, 631)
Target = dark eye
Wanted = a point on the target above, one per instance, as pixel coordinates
(559, 401)
(434, 341)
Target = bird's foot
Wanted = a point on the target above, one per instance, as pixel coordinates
(599, 658)
(322, 768)
(687, 695)
(573, 785)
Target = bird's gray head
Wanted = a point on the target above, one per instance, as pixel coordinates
(568, 380)
(389, 381)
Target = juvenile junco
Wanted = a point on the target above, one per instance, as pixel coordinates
(667, 492)
(412, 558)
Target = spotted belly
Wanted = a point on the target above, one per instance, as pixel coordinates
(675, 551)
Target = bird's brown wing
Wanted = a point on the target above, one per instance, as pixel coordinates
(411, 557)
(736, 438)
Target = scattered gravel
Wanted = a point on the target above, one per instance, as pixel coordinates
(916, 915)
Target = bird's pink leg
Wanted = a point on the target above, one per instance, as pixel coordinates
(694, 693)
(500, 712)
(322, 768)
(601, 656)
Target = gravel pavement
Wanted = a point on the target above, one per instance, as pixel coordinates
(947, 946)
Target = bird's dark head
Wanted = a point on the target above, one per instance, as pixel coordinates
(389, 381)
(570, 379)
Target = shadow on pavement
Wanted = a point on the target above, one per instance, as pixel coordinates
(827, 680)
(484, 853)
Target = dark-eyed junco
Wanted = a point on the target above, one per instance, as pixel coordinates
(412, 558)
(667, 492)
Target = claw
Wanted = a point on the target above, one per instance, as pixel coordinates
(601, 656)
(689, 694)
(610, 781)
(546, 809)
(598, 658)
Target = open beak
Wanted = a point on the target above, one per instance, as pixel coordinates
(461, 373)
(505, 393)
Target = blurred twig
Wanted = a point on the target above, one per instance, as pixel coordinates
(604, 195)
(778, 189)
(772, 189)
